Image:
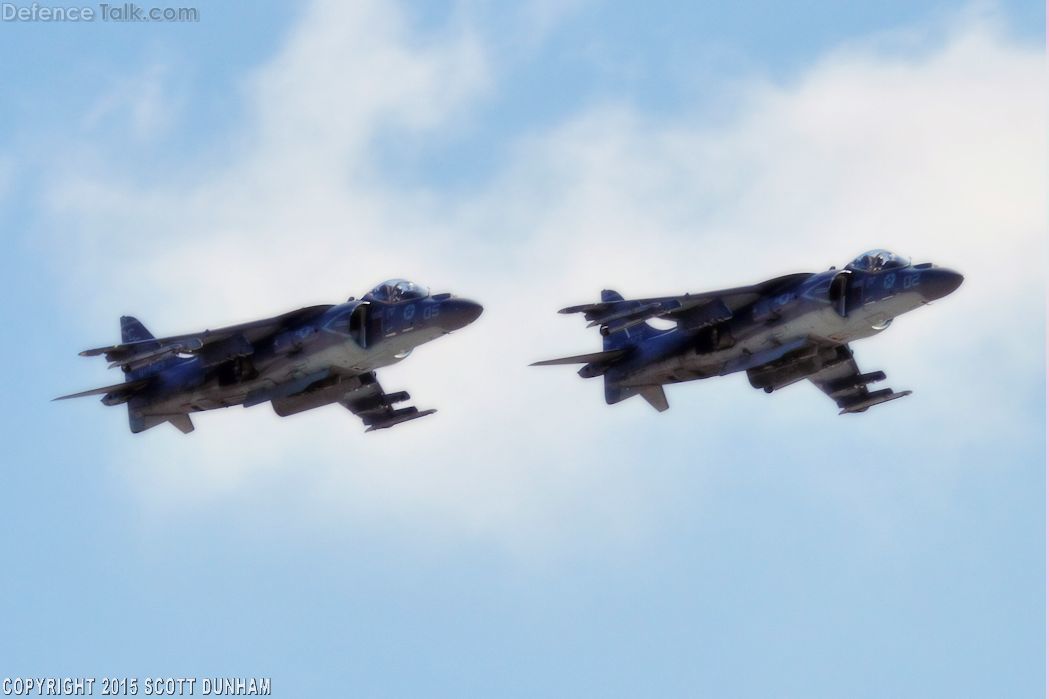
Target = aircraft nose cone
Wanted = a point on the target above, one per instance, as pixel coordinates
(937, 283)
(458, 313)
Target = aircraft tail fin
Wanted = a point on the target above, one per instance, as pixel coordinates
(132, 330)
(623, 340)
(628, 336)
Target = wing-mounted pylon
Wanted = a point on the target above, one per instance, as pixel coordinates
(360, 394)
(843, 383)
(375, 407)
(832, 369)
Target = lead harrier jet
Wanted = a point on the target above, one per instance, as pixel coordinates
(780, 331)
(297, 361)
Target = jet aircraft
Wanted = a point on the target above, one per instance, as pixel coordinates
(780, 331)
(297, 361)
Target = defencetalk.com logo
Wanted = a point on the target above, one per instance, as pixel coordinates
(102, 12)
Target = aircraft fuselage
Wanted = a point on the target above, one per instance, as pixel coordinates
(778, 325)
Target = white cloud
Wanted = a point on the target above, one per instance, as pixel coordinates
(142, 101)
(937, 155)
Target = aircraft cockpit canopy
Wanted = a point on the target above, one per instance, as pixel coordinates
(397, 290)
(878, 260)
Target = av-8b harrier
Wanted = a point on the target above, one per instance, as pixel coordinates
(780, 331)
(297, 361)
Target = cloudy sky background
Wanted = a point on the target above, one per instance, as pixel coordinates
(529, 539)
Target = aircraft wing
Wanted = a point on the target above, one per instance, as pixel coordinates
(847, 387)
(375, 408)
(220, 344)
(690, 311)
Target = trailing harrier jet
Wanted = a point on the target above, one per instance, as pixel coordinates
(296, 361)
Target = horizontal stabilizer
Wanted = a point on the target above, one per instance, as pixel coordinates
(642, 312)
(606, 356)
(142, 346)
(115, 388)
(585, 308)
(146, 356)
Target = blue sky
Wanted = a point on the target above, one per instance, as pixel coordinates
(529, 540)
